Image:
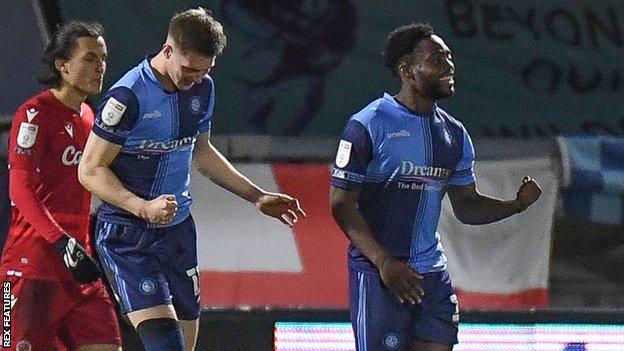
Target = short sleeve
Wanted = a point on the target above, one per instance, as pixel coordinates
(206, 121)
(117, 115)
(353, 156)
(463, 174)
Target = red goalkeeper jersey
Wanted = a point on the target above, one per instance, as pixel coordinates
(46, 143)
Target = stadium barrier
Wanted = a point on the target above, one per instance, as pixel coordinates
(329, 330)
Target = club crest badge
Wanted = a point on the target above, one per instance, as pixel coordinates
(148, 286)
(391, 341)
(195, 104)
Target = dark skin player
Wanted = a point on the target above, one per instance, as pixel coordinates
(427, 75)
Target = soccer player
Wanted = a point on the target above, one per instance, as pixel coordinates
(397, 158)
(152, 124)
(46, 264)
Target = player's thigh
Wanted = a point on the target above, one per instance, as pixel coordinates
(422, 345)
(439, 320)
(136, 273)
(190, 330)
(182, 272)
(185, 293)
(34, 321)
(155, 312)
(92, 322)
(380, 322)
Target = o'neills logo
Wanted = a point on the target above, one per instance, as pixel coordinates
(410, 169)
(404, 133)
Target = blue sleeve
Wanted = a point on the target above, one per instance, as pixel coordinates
(117, 115)
(463, 174)
(206, 121)
(354, 153)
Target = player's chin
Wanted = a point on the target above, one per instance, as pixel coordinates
(93, 88)
(185, 85)
(445, 92)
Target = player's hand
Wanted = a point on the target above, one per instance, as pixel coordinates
(160, 210)
(528, 193)
(81, 265)
(280, 206)
(402, 280)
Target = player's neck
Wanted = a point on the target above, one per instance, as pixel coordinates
(158, 64)
(415, 102)
(69, 96)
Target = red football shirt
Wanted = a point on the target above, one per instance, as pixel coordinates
(46, 143)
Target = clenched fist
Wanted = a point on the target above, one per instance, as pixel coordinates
(160, 210)
(528, 193)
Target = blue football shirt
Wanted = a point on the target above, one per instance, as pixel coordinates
(157, 131)
(403, 163)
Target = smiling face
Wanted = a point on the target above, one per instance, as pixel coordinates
(84, 70)
(430, 69)
(186, 69)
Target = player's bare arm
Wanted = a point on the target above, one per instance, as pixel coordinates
(212, 164)
(400, 278)
(471, 207)
(95, 175)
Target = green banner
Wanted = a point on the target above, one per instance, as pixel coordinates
(526, 68)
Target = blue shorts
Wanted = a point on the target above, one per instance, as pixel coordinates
(148, 267)
(381, 323)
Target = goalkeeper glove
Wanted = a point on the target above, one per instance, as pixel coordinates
(81, 265)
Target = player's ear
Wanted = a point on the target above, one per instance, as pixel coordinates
(167, 50)
(404, 71)
(60, 66)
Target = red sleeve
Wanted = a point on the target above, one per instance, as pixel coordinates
(26, 145)
(31, 207)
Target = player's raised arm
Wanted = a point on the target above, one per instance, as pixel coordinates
(212, 164)
(471, 207)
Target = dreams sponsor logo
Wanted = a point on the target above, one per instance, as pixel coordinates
(410, 169)
(166, 146)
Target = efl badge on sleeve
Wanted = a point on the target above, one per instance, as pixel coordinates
(112, 112)
(344, 153)
(27, 135)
